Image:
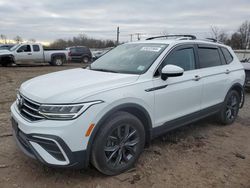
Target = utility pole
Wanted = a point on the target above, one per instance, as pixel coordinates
(117, 36)
(138, 36)
(131, 37)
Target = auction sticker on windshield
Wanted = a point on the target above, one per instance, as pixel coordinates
(151, 49)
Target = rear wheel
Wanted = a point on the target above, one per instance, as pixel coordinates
(119, 144)
(230, 108)
(58, 61)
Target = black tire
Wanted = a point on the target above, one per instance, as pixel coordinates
(6, 61)
(58, 61)
(85, 59)
(230, 108)
(5, 64)
(118, 144)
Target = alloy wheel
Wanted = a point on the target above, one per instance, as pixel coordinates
(232, 108)
(121, 146)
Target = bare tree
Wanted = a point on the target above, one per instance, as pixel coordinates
(244, 32)
(18, 39)
(165, 32)
(32, 40)
(82, 40)
(219, 34)
(3, 38)
(215, 31)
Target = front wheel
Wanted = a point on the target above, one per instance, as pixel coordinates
(85, 59)
(230, 108)
(118, 144)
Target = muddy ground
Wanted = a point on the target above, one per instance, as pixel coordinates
(203, 154)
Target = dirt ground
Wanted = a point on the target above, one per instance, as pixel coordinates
(203, 154)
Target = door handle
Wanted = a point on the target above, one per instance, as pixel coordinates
(197, 78)
(227, 71)
(29, 53)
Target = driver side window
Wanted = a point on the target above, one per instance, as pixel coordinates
(183, 58)
(24, 48)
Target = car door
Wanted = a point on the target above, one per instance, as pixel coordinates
(214, 73)
(23, 53)
(178, 96)
(37, 53)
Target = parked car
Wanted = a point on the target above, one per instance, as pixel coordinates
(99, 53)
(80, 53)
(247, 70)
(106, 114)
(6, 46)
(32, 52)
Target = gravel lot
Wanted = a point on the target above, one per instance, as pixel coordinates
(203, 154)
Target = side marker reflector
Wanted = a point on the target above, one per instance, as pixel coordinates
(88, 132)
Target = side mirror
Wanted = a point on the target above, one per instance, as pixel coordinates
(171, 71)
(20, 50)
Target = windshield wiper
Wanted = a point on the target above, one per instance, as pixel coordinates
(104, 70)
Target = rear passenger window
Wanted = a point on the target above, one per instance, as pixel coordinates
(36, 48)
(209, 57)
(227, 55)
(183, 58)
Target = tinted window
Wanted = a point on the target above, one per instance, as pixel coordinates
(81, 49)
(183, 58)
(227, 55)
(36, 48)
(78, 50)
(24, 48)
(209, 57)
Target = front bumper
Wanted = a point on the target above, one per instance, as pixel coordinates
(48, 149)
(54, 143)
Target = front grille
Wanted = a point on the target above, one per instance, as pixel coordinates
(29, 109)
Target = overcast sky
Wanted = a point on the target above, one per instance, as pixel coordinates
(46, 20)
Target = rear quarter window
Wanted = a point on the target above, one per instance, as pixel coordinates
(36, 48)
(228, 56)
(209, 57)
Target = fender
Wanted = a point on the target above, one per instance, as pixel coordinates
(58, 54)
(238, 87)
(7, 58)
(122, 107)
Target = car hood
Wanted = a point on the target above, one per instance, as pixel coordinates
(72, 86)
(5, 52)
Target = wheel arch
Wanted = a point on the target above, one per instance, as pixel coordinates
(7, 58)
(135, 109)
(57, 55)
(240, 89)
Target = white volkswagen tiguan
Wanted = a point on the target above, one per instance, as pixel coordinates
(106, 114)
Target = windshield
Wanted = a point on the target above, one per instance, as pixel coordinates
(15, 47)
(133, 58)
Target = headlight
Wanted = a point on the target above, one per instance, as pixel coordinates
(63, 111)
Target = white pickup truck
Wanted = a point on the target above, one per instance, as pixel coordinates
(32, 52)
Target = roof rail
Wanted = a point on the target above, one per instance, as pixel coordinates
(191, 37)
(212, 39)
